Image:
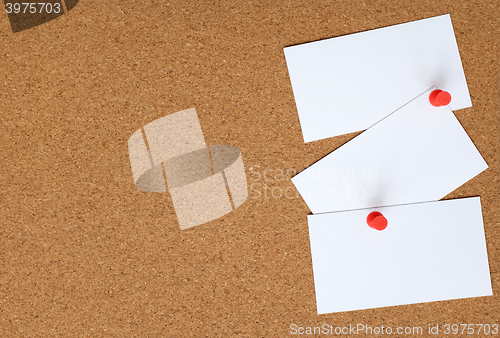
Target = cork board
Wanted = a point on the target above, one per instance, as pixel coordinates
(83, 253)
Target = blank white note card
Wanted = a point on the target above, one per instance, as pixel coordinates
(348, 83)
(428, 252)
(419, 153)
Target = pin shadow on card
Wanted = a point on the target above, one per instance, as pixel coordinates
(419, 153)
(347, 84)
(427, 252)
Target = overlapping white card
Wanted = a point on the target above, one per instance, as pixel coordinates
(347, 84)
(419, 153)
(428, 252)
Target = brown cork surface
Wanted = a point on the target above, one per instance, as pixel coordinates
(83, 253)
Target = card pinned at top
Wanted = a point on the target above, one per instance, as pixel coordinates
(348, 83)
(420, 153)
(427, 252)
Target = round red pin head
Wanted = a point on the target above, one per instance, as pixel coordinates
(439, 98)
(376, 220)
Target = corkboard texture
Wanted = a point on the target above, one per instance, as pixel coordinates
(84, 253)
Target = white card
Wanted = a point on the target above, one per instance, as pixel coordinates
(347, 84)
(428, 252)
(419, 153)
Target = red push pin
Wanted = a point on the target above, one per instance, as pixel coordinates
(439, 98)
(376, 220)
